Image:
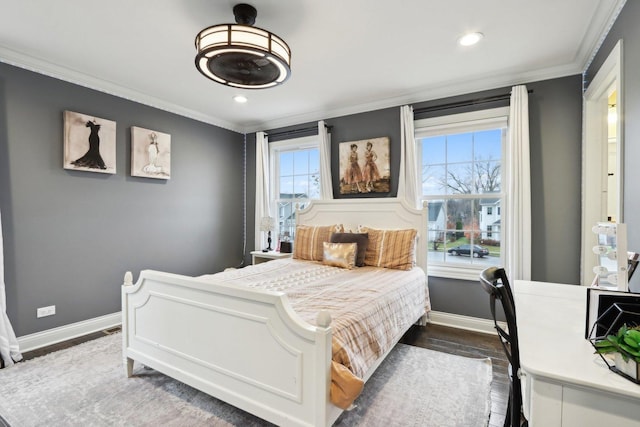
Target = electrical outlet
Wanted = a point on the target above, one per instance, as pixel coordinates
(46, 311)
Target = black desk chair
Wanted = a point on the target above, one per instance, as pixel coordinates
(495, 282)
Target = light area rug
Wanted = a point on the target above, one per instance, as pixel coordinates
(85, 385)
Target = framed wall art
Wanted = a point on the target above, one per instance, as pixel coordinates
(89, 143)
(150, 153)
(364, 166)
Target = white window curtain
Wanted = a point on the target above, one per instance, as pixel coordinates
(263, 198)
(326, 188)
(9, 350)
(518, 188)
(408, 188)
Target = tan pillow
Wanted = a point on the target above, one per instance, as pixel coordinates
(341, 255)
(308, 241)
(390, 248)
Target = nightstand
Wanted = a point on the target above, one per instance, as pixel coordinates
(258, 256)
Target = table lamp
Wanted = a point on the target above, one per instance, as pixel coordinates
(268, 224)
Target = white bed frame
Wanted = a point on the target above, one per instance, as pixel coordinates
(248, 347)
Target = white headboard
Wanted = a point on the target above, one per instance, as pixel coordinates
(389, 213)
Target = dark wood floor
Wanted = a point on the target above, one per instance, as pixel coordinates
(434, 337)
(69, 343)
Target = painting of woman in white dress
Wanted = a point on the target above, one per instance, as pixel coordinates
(150, 153)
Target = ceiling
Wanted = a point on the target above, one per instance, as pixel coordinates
(348, 56)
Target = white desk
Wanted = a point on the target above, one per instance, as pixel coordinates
(564, 382)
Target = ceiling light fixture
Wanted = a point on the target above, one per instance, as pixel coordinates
(470, 39)
(612, 116)
(243, 56)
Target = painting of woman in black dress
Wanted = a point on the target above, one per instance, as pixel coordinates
(89, 143)
(92, 158)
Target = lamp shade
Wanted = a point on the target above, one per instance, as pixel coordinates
(267, 223)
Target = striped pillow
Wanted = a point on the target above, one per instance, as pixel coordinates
(390, 248)
(308, 242)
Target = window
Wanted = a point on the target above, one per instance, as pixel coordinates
(295, 178)
(461, 158)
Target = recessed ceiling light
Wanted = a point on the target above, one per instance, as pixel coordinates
(470, 39)
(240, 99)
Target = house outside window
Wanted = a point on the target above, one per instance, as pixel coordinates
(295, 179)
(490, 219)
(461, 158)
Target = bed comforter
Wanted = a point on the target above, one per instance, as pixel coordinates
(371, 308)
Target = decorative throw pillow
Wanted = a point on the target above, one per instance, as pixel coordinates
(339, 254)
(308, 241)
(361, 239)
(390, 248)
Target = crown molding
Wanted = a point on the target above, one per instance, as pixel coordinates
(440, 91)
(20, 60)
(597, 32)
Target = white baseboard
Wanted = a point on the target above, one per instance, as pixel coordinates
(475, 324)
(67, 332)
(74, 330)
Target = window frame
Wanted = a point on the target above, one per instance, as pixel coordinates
(474, 121)
(275, 148)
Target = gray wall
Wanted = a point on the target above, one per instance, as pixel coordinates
(69, 236)
(555, 119)
(626, 28)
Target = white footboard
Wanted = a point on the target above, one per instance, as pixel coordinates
(246, 347)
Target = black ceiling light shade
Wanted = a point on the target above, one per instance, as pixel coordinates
(243, 56)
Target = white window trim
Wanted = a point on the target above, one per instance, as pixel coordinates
(493, 117)
(275, 148)
(464, 122)
(293, 144)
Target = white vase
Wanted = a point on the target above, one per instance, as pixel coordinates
(630, 367)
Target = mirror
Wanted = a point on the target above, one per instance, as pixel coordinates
(602, 160)
(611, 252)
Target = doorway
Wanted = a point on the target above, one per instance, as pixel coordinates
(602, 158)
